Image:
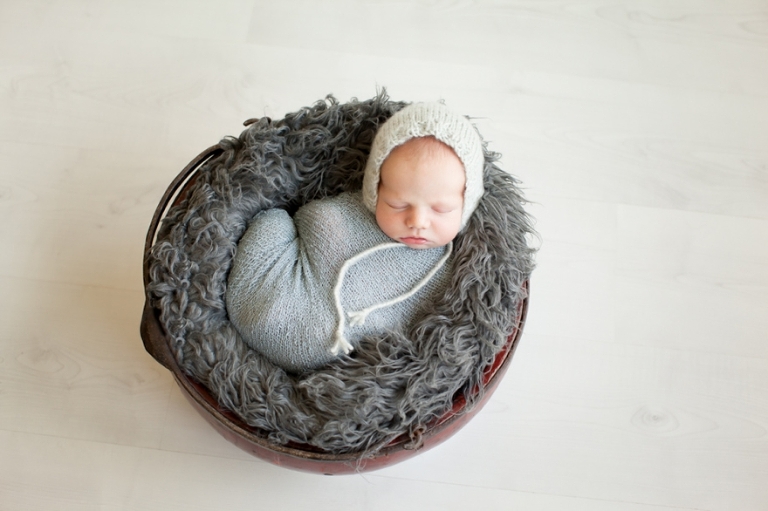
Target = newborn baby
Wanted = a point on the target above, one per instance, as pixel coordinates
(302, 291)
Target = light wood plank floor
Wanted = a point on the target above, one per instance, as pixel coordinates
(639, 129)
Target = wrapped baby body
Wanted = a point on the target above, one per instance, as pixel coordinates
(280, 291)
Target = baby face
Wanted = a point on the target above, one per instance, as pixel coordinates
(421, 194)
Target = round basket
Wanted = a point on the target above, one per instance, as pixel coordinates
(296, 455)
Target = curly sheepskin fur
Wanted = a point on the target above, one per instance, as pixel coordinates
(393, 384)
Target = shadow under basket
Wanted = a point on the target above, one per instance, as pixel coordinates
(299, 456)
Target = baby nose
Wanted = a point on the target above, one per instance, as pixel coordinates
(418, 219)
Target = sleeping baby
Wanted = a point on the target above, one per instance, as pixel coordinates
(306, 289)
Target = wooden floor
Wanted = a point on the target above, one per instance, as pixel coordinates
(639, 129)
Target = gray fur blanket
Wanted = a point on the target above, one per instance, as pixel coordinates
(392, 384)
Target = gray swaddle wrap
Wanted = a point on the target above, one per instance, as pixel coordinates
(280, 289)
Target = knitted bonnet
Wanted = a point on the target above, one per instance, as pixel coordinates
(423, 120)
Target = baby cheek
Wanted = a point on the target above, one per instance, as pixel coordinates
(451, 226)
(384, 220)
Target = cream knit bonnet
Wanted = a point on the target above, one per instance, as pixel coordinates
(424, 120)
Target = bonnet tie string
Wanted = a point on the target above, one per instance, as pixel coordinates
(358, 317)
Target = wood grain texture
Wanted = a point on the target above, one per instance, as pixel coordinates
(638, 128)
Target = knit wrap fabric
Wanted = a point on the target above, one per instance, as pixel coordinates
(280, 290)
